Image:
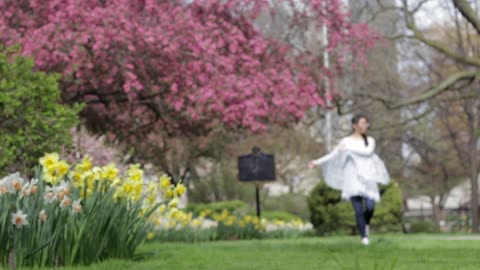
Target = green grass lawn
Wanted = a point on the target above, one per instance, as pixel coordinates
(385, 252)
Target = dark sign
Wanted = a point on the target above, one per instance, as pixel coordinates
(256, 166)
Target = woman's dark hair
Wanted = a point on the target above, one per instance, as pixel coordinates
(356, 118)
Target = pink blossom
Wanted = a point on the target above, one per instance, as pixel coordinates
(169, 65)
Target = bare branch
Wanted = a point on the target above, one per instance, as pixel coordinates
(472, 61)
(447, 84)
(410, 23)
(387, 103)
(464, 7)
(419, 6)
(439, 88)
(398, 36)
(406, 121)
(428, 64)
(384, 7)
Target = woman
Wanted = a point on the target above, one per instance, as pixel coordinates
(354, 169)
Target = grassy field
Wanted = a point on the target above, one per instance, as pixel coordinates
(385, 252)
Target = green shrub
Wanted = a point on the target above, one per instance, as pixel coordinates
(326, 210)
(388, 213)
(236, 207)
(292, 203)
(458, 222)
(221, 184)
(278, 215)
(331, 215)
(33, 122)
(186, 234)
(422, 227)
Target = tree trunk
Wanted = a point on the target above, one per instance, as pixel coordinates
(436, 212)
(474, 192)
(291, 187)
(474, 167)
(474, 202)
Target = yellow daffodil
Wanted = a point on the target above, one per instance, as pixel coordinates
(128, 187)
(85, 165)
(117, 181)
(162, 208)
(151, 198)
(51, 179)
(49, 160)
(109, 172)
(169, 194)
(228, 222)
(165, 181)
(85, 194)
(278, 222)
(217, 217)
(172, 213)
(205, 213)
(225, 213)
(95, 174)
(151, 187)
(77, 178)
(135, 173)
(179, 189)
(62, 168)
(196, 223)
(173, 203)
(247, 218)
(119, 193)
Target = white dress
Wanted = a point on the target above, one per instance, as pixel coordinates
(354, 169)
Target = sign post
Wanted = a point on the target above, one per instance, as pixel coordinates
(257, 168)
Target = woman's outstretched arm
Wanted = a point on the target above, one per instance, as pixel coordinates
(340, 147)
(326, 157)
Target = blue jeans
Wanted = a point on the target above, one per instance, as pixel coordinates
(363, 214)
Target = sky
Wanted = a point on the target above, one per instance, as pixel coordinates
(433, 11)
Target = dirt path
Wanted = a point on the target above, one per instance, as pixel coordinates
(458, 237)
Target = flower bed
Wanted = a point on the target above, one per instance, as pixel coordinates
(78, 215)
(177, 225)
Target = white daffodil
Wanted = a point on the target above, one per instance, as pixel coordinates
(66, 202)
(50, 195)
(43, 215)
(76, 206)
(63, 187)
(11, 183)
(19, 219)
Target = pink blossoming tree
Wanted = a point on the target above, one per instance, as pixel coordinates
(166, 68)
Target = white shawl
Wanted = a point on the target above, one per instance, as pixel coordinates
(354, 169)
